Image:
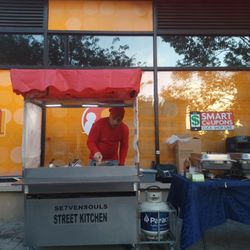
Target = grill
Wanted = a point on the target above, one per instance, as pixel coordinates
(80, 206)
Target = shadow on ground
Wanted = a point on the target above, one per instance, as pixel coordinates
(229, 236)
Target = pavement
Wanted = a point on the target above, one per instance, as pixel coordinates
(229, 236)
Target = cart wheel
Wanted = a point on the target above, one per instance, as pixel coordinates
(172, 247)
(135, 247)
(160, 247)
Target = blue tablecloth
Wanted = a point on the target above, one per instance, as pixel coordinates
(207, 204)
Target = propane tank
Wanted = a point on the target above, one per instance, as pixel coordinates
(154, 215)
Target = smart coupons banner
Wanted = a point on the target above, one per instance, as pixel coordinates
(211, 121)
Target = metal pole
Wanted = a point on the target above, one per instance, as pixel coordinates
(156, 113)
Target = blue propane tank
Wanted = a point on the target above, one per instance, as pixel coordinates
(154, 215)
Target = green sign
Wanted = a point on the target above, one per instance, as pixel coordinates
(195, 121)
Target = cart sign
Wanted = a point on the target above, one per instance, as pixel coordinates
(211, 121)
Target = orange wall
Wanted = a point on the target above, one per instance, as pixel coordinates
(11, 107)
(100, 15)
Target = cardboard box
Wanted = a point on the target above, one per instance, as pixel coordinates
(184, 150)
(195, 159)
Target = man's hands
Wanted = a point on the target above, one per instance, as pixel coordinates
(98, 156)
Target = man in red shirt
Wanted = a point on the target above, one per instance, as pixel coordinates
(108, 139)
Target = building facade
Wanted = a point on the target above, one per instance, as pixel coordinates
(195, 57)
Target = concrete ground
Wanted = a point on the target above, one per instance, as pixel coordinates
(229, 236)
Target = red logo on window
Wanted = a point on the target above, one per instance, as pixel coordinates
(89, 116)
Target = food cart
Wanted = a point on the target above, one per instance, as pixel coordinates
(69, 206)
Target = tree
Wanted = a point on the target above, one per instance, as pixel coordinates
(87, 51)
(56, 50)
(21, 49)
(211, 51)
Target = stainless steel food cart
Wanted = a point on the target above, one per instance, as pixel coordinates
(71, 206)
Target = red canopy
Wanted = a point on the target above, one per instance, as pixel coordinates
(119, 84)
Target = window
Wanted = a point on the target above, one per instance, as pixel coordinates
(19, 49)
(181, 92)
(101, 51)
(203, 51)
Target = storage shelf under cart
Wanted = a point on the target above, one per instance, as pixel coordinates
(169, 238)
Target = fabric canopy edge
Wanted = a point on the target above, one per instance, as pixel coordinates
(98, 84)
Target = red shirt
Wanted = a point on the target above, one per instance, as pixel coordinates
(107, 140)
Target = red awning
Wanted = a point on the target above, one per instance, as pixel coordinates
(115, 84)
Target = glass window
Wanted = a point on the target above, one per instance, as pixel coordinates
(70, 141)
(215, 91)
(203, 51)
(146, 120)
(121, 51)
(17, 49)
(103, 51)
(57, 49)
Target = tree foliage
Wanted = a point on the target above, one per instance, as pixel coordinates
(86, 51)
(68, 50)
(211, 51)
(21, 49)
